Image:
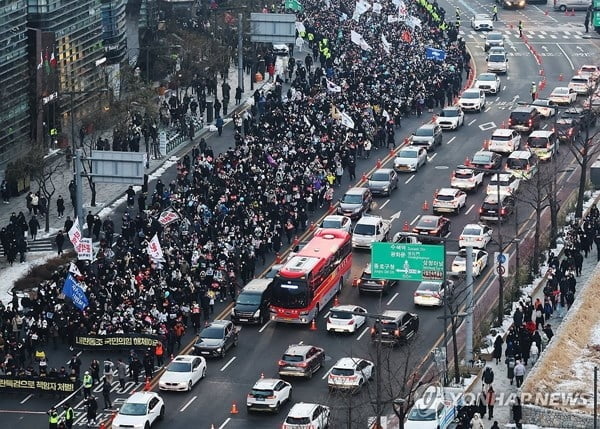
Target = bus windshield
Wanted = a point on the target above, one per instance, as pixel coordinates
(290, 293)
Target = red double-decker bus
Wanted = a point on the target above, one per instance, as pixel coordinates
(311, 277)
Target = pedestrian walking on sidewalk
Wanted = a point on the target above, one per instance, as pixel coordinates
(219, 123)
(60, 206)
(497, 354)
(517, 412)
(487, 378)
(5, 192)
(476, 422)
(106, 387)
(238, 95)
(490, 401)
(519, 373)
(91, 407)
(121, 373)
(510, 368)
(34, 226)
(60, 241)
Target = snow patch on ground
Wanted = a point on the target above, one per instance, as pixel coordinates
(11, 274)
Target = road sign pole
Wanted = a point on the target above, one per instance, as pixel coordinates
(445, 283)
(79, 188)
(469, 317)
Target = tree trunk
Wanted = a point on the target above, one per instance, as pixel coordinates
(553, 220)
(582, 183)
(455, 348)
(93, 189)
(47, 215)
(536, 243)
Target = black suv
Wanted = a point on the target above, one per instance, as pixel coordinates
(301, 360)
(366, 283)
(216, 339)
(252, 304)
(489, 208)
(396, 327)
(585, 117)
(524, 119)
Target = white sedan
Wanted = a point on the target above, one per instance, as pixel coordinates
(488, 82)
(475, 235)
(183, 373)
(449, 200)
(480, 261)
(546, 108)
(343, 318)
(563, 96)
(503, 183)
(482, 21)
(430, 293)
(350, 373)
(410, 158)
(337, 222)
(140, 410)
(450, 118)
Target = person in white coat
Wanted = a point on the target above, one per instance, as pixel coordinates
(534, 352)
(476, 422)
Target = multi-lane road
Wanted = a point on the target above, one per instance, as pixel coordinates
(561, 48)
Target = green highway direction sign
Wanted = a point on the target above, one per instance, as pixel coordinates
(411, 262)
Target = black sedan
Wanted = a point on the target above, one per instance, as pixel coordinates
(217, 338)
(486, 160)
(584, 116)
(567, 129)
(434, 226)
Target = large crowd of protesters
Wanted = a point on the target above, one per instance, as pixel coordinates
(239, 207)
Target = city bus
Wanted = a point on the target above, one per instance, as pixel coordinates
(311, 277)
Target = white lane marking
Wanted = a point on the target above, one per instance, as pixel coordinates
(188, 403)
(301, 342)
(566, 56)
(384, 204)
(392, 298)
(264, 327)
(470, 208)
(545, 126)
(326, 315)
(488, 109)
(430, 158)
(396, 215)
(228, 363)
(451, 140)
(326, 374)
(472, 122)
(409, 179)
(504, 88)
(27, 398)
(362, 333)
(415, 219)
(225, 423)
(78, 354)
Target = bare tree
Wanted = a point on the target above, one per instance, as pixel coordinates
(44, 171)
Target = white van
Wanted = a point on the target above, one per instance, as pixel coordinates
(582, 84)
(543, 143)
(497, 62)
(504, 140)
(522, 164)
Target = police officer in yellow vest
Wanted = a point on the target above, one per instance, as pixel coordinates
(52, 419)
(88, 382)
(69, 415)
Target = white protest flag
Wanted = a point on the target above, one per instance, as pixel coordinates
(74, 270)
(361, 7)
(396, 2)
(377, 7)
(402, 10)
(346, 120)
(154, 250)
(332, 87)
(359, 40)
(306, 121)
(75, 234)
(385, 114)
(392, 19)
(385, 43)
(300, 27)
(413, 21)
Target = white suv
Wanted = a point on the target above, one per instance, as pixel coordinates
(140, 410)
(350, 374)
(473, 100)
(504, 140)
(304, 415)
(268, 394)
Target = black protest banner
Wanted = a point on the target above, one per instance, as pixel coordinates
(44, 384)
(116, 341)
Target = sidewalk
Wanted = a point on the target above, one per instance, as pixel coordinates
(107, 193)
(502, 386)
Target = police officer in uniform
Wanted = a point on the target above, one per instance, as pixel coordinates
(52, 418)
(533, 91)
(495, 13)
(69, 415)
(520, 28)
(88, 382)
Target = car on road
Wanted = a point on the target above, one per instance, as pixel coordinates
(582, 84)
(475, 235)
(337, 222)
(587, 69)
(497, 62)
(307, 416)
(183, 373)
(504, 141)
(449, 200)
(567, 129)
(350, 373)
(522, 164)
(216, 338)
(480, 261)
(395, 328)
(405, 237)
(472, 100)
(273, 271)
(487, 160)
(450, 118)
(593, 103)
(370, 229)
(585, 117)
(436, 409)
(503, 183)
(140, 410)
(466, 179)
(544, 143)
(430, 293)
(366, 283)
(493, 39)
(489, 83)
(482, 21)
(410, 158)
(428, 136)
(545, 107)
(268, 394)
(383, 181)
(301, 360)
(496, 207)
(355, 202)
(434, 226)
(564, 5)
(252, 303)
(563, 96)
(343, 318)
(512, 4)
(524, 119)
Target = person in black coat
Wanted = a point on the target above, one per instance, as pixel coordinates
(497, 353)
(22, 249)
(60, 206)
(34, 226)
(60, 242)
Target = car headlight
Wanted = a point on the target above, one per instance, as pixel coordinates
(219, 350)
(386, 188)
(257, 313)
(356, 210)
(233, 311)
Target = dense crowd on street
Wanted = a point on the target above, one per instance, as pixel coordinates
(239, 207)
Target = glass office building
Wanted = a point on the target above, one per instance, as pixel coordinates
(15, 108)
(113, 30)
